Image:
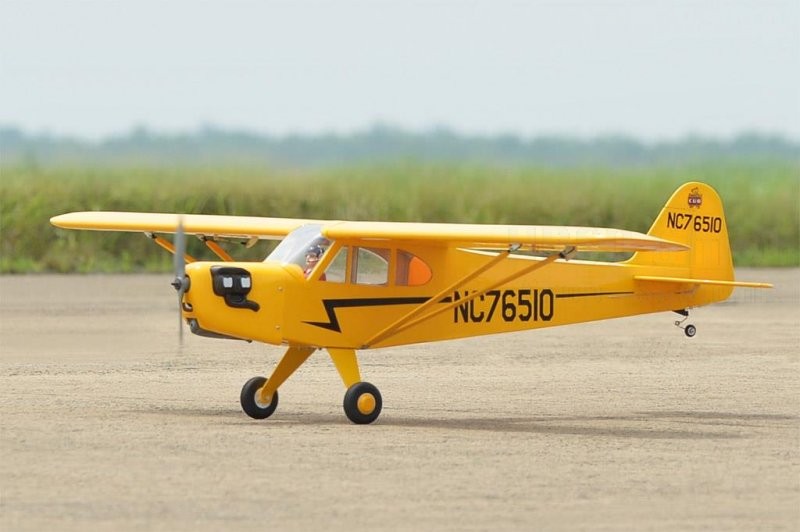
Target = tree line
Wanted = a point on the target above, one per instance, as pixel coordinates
(380, 144)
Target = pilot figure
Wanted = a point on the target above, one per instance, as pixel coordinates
(313, 255)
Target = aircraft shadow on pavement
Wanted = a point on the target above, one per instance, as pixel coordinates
(654, 425)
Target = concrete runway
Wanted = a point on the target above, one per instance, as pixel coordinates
(625, 424)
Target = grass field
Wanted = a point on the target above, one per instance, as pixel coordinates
(762, 202)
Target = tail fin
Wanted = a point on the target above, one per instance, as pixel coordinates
(692, 216)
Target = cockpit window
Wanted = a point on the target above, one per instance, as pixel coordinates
(337, 269)
(370, 266)
(303, 241)
(411, 270)
(305, 247)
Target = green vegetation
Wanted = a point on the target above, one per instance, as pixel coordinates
(762, 201)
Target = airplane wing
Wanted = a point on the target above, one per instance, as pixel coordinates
(246, 227)
(531, 237)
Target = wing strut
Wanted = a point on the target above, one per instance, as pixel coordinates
(407, 321)
(166, 244)
(213, 246)
(217, 249)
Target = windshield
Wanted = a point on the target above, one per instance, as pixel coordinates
(293, 248)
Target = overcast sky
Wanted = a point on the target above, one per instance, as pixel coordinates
(651, 69)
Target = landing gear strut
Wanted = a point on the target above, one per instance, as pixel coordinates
(688, 329)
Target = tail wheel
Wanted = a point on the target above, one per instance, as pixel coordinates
(690, 330)
(362, 403)
(251, 401)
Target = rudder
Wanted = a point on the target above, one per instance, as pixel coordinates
(693, 216)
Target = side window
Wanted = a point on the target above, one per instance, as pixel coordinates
(411, 270)
(337, 269)
(370, 266)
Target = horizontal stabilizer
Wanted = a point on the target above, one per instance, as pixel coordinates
(684, 280)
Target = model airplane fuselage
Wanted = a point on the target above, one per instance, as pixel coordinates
(346, 286)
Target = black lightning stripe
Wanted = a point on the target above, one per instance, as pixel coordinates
(332, 304)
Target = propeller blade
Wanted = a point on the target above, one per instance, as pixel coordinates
(180, 249)
(179, 283)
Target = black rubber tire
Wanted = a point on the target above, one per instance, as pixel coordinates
(249, 403)
(690, 330)
(351, 403)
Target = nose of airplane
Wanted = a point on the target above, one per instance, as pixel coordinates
(235, 300)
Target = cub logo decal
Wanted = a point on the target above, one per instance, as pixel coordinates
(695, 198)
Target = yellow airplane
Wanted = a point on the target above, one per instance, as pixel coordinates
(346, 286)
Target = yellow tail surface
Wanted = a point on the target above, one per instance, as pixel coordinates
(693, 216)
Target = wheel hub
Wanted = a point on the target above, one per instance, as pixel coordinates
(366, 403)
(259, 402)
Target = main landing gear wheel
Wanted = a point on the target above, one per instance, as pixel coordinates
(251, 403)
(690, 330)
(362, 403)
